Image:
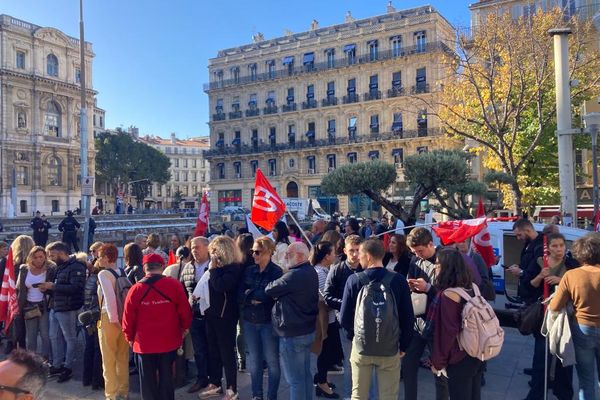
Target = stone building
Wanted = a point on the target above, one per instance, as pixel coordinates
(39, 118)
(300, 105)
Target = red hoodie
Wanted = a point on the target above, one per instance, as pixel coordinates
(154, 319)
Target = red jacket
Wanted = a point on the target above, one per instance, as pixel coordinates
(154, 318)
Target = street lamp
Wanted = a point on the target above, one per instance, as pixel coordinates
(592, 124)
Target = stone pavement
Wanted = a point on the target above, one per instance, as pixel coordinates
(504, 378)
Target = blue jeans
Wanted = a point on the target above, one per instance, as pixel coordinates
(587, 354)
(262, 344)
(198, 332)
(63, 322)
(295, 361)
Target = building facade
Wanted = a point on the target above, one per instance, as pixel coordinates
(299, 106)
(39, 118)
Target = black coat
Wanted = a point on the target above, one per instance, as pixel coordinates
(223, 291)
(69, 284)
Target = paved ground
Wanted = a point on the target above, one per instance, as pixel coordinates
(505, 379)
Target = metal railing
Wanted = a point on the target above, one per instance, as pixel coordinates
(351, 98)
(235, 114)
(288, 107)
(270, 110)
(420, 88)
(373, 95)
(330, 101)
(396, 92)
(252, 112)
(309, 104)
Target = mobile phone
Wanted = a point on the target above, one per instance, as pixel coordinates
(36, 285)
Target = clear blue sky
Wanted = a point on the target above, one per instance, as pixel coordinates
(152, 55)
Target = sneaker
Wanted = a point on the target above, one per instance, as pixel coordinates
(55, 370)
(230, 395)
(210, 391)
(65, 375)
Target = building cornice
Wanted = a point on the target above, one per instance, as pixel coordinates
(49, 81)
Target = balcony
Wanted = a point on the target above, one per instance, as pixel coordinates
(420, 88)
(327, 142)
(235, 115)
(306, 105)
(351, 98)
(270, 110)
(288, 107)
(372, 95)
(395, 92)
(219, 117)
(254, 112)
(341, 62)
(330, 101)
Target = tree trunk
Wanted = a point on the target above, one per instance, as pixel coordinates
(517, 198)
(395, 209)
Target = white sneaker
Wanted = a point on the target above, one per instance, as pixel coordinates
(210, 391)
(230, 395)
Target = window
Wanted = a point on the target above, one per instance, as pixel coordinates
(374, 123)
(350, 50)
(54, 171)
(252, 102)
(352, 127)
(21, 120)
(22, 175)
(184, 175)
(271, 99)
(398, 155)
(310, 132)
(352, 158)
(252, 71)
(330, 89)
(159, 190)
(237, 140)
(292, 134)
(397, 80)
(176, 176)
(77, 75)
(219, 106)
(55, 206)
(272, 167)
(289, 63)
(254, 167)
(309, 61)
(373, 49)
(168, 191)
(374, 155)
(184, 190)
(235, 74)
(421, 149)
(52, 119)
(176, 162)
(421, 80)
(330, 162)
(254, 138)
(194, 163)
(290, 95)
(422, 123)
(310, 92)
(396, 45)
(235, 105)
(331, 127)
(373, 86)
(420, 41)
(351, 86)
(237, 169)
(219, 77)
(271, 69)
(330, 54)
(397, 126)
(272, 136)
(291, 163)
(312, 164)
(221, 171)
(52, 65)
(20, 61)
(194, 176)
(185, 162)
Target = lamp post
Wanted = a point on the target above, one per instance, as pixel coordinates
(592, 124)
(83, 132)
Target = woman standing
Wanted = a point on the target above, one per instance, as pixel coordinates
(113, 346)
(282, 241)
(244, 242)
(322, 256)
(32, 302)
(399, 256)
(222, 311)
(261, 341)
(582, 287)
(133, 256)
(464, 372)
(20, 247)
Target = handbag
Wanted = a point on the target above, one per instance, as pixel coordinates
(32, 312)
(419, 303)
(529, 318)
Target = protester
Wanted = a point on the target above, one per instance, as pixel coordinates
(91, 229)
(20, 247)
(333, 293)
(260, 339)
(33, 304)
(281, 239)
(318, 228)
(69, 226)
(156, 304)
(244, 242)
(381, 340)
(463, 371)
(333, 226)
(486, 285)
(399, 256)
(581, 286)
(141, 240)
(153, 246)
(190, 277)
(421, 275)
(40, 226)
(67, 299)
(174, 243)
(351, 227)
(368, 229)
(113, 345)
(322, 257)
(296, 296)
(23, 375)
(132, 256)
(183, 256)
(214, 290)
(295, 233)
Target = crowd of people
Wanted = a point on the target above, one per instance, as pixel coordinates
(361, 299)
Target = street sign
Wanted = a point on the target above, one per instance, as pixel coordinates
(87, 185)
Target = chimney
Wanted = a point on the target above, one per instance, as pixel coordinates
(173, 138)
(314, 25)
(349, 17)
(390, 7)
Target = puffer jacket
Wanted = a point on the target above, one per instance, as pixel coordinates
(69, 282)
(90, 293)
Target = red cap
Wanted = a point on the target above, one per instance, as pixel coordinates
(153, 258)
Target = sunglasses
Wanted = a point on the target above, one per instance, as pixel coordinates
(13, 390)
(256, 252)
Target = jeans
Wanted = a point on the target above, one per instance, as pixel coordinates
(587, 354)
(387, 370)
(295, 361)
(464, 379)
(156, 375)
(410, 368)
(240, 344)
(198, 332)
(262, 344)
(63, 322)
(39, 326)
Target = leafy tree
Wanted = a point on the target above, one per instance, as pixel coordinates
(501, 97)
(177, 199)
(120, 160)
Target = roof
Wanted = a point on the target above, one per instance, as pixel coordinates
(199, 141)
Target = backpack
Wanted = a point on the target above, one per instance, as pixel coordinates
(150, 281)
(376, 322)
(481, 335)
(122, 286)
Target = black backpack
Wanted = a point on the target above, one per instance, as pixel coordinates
(376, 322)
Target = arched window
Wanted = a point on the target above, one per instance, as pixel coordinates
(52, 120)
(52, 65)
(54, 171)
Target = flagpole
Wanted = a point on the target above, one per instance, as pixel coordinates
(299, 227)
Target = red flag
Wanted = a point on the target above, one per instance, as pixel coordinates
(8, 294)
(267, 206)
(459, 231)
(202, 222)
(172, 259)
(481, 242)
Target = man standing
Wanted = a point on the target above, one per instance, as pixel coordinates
(333, 293)
(40, 226)
(351, 227)
(67, 299)
(156, 304)
(296, 296)
(69, 226)
(190, 276)
(377, 341)
(91, 231)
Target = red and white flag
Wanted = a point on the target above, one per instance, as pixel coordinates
(481, 242)
(9, 307)
(203, 212)
(267, 206)
(460, 230)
